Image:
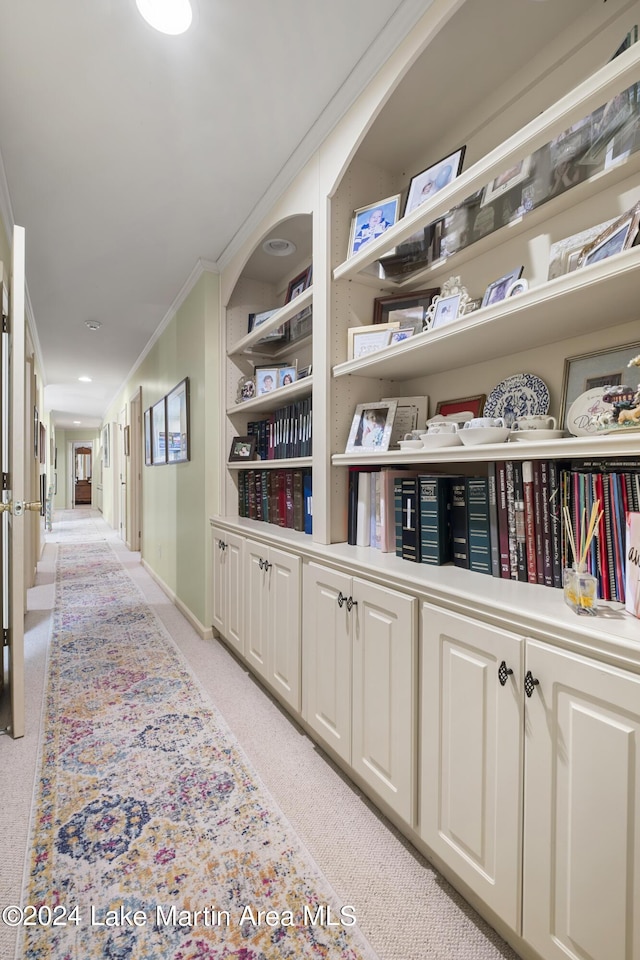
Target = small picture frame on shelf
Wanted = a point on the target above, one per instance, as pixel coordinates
(564, 254)
(411, 414)
(298, 285)
(427, 183)
(242, 448)
(402, 333)
(266, 380)
(618, 236)
(287, 375)
(517, 287)
(475, 406)
(372, 221)
(257, 319)
(609, 367)
(246, 389)
(406, 309)
(369, 339)
(506, 181)
(371, 427)
(497, 290)
(305, 372)
(447, 309)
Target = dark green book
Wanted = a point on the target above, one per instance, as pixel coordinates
(478, 525)
(459, 531)
(435, 519)
(410, 520)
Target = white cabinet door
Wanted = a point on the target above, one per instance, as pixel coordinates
(282, 580)
(384, 693)
(582, 809)
(471, 754)
(256, 608)
(326, 657)
(228, 596)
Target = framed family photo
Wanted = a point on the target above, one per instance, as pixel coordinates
(298, 285)
(506, 181)
(427, 183)
(364, 340)
(372, 427)
(408, 310)
(372, 221)
(498, 289)
(287, 375)
(446, 310)
(266, 380)
(242, 448)
(618, 236)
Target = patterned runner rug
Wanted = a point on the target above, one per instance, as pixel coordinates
(152, 836)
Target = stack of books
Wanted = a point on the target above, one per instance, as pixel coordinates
(284, 433)
(282, 497)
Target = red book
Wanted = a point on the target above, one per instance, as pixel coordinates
(529, 521)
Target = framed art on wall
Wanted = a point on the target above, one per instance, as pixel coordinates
(178, 423)
(106, 445)
(148, 460)
(159, 432)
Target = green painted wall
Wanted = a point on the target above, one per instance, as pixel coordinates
(178, 499)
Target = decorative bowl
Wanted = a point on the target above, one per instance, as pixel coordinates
(410, 444)
(432, 441)
(484, 435)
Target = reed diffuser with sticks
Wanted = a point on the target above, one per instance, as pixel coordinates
(581, 587)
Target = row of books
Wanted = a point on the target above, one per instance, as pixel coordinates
(284, 433)
(507, 524)
(282, 497)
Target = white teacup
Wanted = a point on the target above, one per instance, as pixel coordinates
(441, 426)
(535, 422)
(478, 423)
(413, 435)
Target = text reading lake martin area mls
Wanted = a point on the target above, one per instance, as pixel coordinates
(316, 915)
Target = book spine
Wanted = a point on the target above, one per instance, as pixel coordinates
(435, 533)
(352, 509)
(511, 520)
(410, 520)
(397, 509)
(298, 507)
(529, 520)
(459, 531)
(478, 525)
(494, 536)
(537, 516)
(308, 502)
(363, 510)
(503, 520)
(521, 535)
(545, 517)
(554, 501)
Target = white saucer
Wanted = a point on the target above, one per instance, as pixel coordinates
(536, 435)
(432, 441)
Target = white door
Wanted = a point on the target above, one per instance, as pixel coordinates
(13, 470)
(383, 749)
(326, 657)
(582, 809)
(122, 474)
(283, 581)
(471, 754)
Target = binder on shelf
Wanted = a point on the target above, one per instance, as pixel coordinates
(308, 503)
(503, 519)
(528, 497)
(494, 533)
(478, 524)
(435, 518)
(388, 519)
(410, 520)
(521, 535)
(459, 529)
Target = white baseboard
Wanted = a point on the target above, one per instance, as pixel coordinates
(205, 632)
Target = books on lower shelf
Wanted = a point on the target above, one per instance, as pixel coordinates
(505, 524)
(282, 497)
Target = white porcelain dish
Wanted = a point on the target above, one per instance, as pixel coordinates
(521, 395)
(433, 441)
(410, 445)
(528, 435)
(484, 435)
(579, 418)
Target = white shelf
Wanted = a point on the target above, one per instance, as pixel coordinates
(625, 444)
(572, 305)
(276, 399)
(285, 463)
(250, 344)
(604, 84)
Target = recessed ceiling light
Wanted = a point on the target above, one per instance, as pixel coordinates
(279, 248)
(93, 324)
(167, 16)
(77, 423)
(85, 379)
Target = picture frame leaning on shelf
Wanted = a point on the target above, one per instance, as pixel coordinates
(372, 221)
(371, 427)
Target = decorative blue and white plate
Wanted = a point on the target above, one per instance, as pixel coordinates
(521, 395)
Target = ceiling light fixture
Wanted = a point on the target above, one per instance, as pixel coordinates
(76, 423)
(84, 379)
(278, 248)
(167, 16)
(93, 324)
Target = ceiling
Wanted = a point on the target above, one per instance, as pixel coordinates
(130, 156)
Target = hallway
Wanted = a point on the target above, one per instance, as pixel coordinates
(404, 909)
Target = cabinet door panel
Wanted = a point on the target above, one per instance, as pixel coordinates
(471, 755)
(326, 657)
(384, 682)
(257, 608)
(235, 592)
(219, 593)
(285, 641)
(582, 796)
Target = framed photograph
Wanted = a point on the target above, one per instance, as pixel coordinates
(266, 380)
(242, 448)
(564, 254)
(618, 236)
(257, 319)
(159, 432)
(178, 423)
(147, 438)
(126, 440)
(363, 340)
(305, 372)
(411, 414)
(371, 222)
(497, 290)
(298, 285)
(602, 368)
(106, 445)
(287, 375)
(475, 405)
(517, 287)
(424, 185)
(506, 181)
(446, 310)
(246, 389)
(403, 333)
(406, 310)
(371, 427)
